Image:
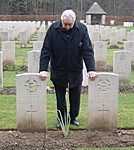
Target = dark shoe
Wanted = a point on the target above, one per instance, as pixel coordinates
(75, 122)
(58, 126)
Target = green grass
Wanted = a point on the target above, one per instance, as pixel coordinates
(128, 29)
(9, 78)
(8, 111)
(126, 111)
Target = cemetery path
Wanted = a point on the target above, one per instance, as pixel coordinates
(10, 140)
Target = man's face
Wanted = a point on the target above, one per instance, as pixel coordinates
(67, 23)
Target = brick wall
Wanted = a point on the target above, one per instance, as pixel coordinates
(28, 17)
(118, 19)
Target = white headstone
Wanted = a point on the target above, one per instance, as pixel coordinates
(41, 35)
(129, 46)
(95, 36)
(113, 38)
(100, 54)
(31, 103)
(4, 36)
(103, 101)
(130, 36)
(85, 78)
(123, 33)
(122, 66)
(1, 71)
(37, 45)
(104, 34)
(23, 38)
(11, 35)
(8, 49)
(119, 36)
(33, 61)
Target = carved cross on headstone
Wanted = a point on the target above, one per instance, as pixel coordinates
(103, 110)
(31, 117)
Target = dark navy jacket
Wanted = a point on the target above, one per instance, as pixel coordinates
(66, 51)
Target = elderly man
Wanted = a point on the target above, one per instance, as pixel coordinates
(66, 45)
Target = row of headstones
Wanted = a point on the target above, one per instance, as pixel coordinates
(7, 56)
(121, 63)
(100, 48)
(10, 32)
(27, 29)
(32, 102)
(40, 35)
(128, 24)
(113, 35)
(22, 31)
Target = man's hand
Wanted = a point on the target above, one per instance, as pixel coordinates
(92, 75)
(43, 75)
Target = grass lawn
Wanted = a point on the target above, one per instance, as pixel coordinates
(8, 111)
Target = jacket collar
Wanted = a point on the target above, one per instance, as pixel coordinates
(58, 25)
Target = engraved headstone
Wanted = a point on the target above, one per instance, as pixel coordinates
(104, 34)
(41, 35)
(100, 54)
(33, 61)
(8, 49)
(4, 36)
(119, 36)
(31, 103)
(37, 45)
(113, 38)
(103, 101)
(122, 67)
(1, 71)
(23, 39)
(130, 36)
(123, 33)
(129, 46)
(11, 35)
(95, 36)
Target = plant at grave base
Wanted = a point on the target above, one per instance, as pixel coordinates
(65, 123)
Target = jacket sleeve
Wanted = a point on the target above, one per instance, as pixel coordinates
(88, 53)
(46, 52)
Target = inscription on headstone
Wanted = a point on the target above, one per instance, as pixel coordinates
(31, 103)
(33, 61)
(103, 101)
(122, 66)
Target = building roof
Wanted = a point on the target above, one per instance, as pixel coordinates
(96, 9)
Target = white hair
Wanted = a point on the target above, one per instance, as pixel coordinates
(67, 14)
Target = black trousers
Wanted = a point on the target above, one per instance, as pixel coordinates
(74, 100)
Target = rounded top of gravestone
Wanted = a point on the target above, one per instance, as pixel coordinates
(107, 73)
